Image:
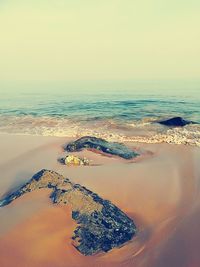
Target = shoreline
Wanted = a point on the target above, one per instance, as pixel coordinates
(147, 131)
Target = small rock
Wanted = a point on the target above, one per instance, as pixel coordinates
(175, 122)
(76, 161)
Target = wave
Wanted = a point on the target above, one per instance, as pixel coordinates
(142, 131)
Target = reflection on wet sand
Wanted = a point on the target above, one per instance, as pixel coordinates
(161, 193)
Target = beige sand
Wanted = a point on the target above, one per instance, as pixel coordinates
(160, 192)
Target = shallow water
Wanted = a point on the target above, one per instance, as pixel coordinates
(118, 116)
(160, 192)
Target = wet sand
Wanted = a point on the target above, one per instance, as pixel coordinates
(161, 192)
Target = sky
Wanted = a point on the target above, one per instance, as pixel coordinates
(116, 40)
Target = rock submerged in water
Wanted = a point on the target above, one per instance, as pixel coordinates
(175, 122)
(112, 148)
(101, 225)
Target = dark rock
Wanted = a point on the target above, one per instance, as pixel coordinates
(101, 225)
(101, 145)
(175, 122)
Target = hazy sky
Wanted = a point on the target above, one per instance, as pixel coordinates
(99, 40)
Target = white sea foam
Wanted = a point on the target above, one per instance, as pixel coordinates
(172, 136)
(144, 131)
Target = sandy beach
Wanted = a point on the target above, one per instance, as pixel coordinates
(100, 133)
(160, 192)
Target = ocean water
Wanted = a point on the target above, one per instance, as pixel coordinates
(114, 115)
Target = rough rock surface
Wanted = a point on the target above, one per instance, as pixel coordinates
(101, 145)
(71, 160)
(101, 225)
(175, 122)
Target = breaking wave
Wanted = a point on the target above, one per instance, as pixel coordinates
(145, 130)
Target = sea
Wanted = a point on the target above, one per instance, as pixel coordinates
(118, 115)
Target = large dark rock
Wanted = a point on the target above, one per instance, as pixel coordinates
(175, 122)
(101, 225)
(101, 145)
